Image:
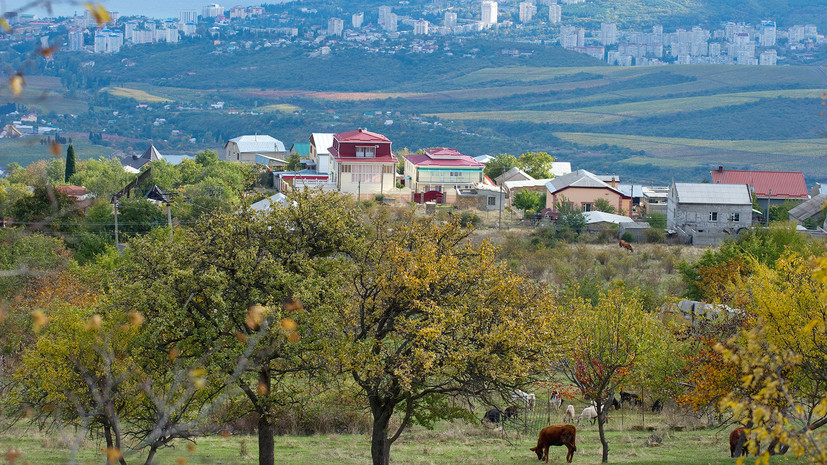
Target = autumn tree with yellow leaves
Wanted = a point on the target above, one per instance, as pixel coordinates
(433, 319)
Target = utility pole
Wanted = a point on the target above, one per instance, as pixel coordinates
(116, 221)
(359, 193)
(169, 217)
(500, 219)
(769, 203)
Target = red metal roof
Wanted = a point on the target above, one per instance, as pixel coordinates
(72, 191)
(776, 184)
(443, 157)
(360, 135)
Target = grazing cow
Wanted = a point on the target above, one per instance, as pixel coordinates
(734, 436)
(556, 400)
(588, 413)
(615, 403)
(494, 416)
(556, 435)
(569, 414)
(629, 398)
(528, 399)
(626, 245)
(657, 407)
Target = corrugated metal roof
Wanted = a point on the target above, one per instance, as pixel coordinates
(631, 190)
(579, 178)
(323, 142)
(511, 174)
(559, 168)
(257, 143)
(778, 184)
(808, 208)
(714, 194)
(603, 217)
(525, 183)
(453, 159)
(301, 149)
(360, 135)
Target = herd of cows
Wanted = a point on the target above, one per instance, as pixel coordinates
(565, 434)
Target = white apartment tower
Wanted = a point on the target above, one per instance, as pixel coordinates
(555, 13)
(335, 26)
(357, 19)
(450, 19)
(188, 16)
(608, 33)
(527, 10)
(384, 15)
(768, 58)
(768, 34)
(421, 27)
(76, 40)
(212, 10)
(489, 13)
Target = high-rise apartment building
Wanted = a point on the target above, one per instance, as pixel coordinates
(450, 19)
(527, 11)
(335, 26)
(384, 14)
(421, 27)
(555, 13)
(188, 16)
(212, 10)
(608, 33)
(357, 19)
(489, 13)
(768, 34)
(76, 40)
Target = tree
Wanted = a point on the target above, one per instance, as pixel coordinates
(294, 162)
(530, 201)
(536, 164)
(615, 341)
(432, 318)
(139, 216)
(46, 208)
(250, 292)
(569, 218)
(70, 163)
(603, 205)
(499, 165)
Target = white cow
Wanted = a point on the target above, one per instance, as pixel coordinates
(528, 399)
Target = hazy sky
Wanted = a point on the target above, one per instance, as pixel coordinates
(153, 8)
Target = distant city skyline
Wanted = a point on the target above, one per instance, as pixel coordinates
(151, 8)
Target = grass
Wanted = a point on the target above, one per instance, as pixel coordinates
(136, 94)
(451, 443)
(25, 150)
(589, 117)
(44, 94)
(279, 107)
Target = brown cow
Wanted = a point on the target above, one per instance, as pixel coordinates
(734, 436)
(626, 245)
(556, 435)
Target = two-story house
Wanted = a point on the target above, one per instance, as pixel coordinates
(440, 171)
(320, 143)
(247, 149)
(705, 214)
(362, 163)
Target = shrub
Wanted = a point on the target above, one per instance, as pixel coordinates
(469, 219)
(655, 235)
(628, 237)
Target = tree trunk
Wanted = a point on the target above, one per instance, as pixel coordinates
(151, 456)
(380, 445)
(266, 429)
(601, 422)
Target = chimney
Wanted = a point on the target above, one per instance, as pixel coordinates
(720, 168)
(613, 183)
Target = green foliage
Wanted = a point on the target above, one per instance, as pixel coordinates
(294, 163)
(45, 208)
(570, 221)
(530, 201)
(628, 237)
(603, 205)
(25, 253)
(468, 220)
(656, 220)
(499, 165)
(764, 245)
(536, 164)
(139, 216)
(655, 235)
(103, 177)
(70, 163)
(781, 212)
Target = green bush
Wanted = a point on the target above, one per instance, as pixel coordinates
(469, 219)
(655, 235)
(628, 237)
(656, 220)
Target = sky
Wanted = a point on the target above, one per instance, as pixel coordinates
(152, 8)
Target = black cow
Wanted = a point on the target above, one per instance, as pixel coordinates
(494, 415)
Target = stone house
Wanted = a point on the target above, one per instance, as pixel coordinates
(705, 214)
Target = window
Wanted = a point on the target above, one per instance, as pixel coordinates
(713, 216)
(587, 207)
(736, 217)
(366, 174)
(455, 174)
(492, 201)
(389, 169)
(366, 152)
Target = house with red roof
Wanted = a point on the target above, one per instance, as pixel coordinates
(770, 187)
(362, 163)
(438, 173)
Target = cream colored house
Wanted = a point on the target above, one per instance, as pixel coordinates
(362, 163)
(245, 148)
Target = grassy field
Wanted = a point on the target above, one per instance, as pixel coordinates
(448, 444)
(136, 94)
(45, 94)
(24, 150)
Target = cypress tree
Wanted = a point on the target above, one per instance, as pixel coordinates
(70, 162)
